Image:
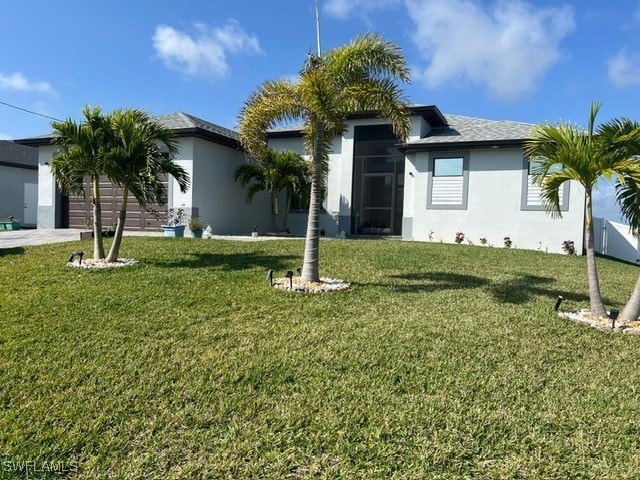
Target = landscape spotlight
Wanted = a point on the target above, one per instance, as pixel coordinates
(77, 253)
(558, 302)
(289, 275)
(270, 276)
(613, 315)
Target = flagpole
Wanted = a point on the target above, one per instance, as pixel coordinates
(318, 28)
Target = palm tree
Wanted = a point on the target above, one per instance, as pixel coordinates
(137, 163)
(565, 152)
(628, 197)
(81, 149)
(274, 172)
(362, 76)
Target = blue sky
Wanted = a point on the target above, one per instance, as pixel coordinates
(530, 61)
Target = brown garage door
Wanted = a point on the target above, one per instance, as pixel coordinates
(79, 210)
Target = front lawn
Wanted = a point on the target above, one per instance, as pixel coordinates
(441, 362)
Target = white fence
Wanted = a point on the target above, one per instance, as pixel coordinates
(615, 240)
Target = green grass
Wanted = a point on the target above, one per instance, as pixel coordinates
(441, 362)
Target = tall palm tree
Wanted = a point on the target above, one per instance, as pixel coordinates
(273, 173)
(361, 76)
(628, 197)
(137, 162)
(566, 152)
(81, 153)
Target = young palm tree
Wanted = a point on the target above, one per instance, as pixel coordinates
(362, 76)
(274, 172)
(628, 197)
(81, 149)
(137, 163)
(565, 152)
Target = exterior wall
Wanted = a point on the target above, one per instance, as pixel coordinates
(494, 208)
(49, 201)
(12, 181)
(214, 195)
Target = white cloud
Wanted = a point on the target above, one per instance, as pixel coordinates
(205, 52)
(507, 49)
(624, 68)
(344, 8)
(18, 82)
(5, 136)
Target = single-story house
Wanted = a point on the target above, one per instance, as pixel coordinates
(208, 152)
(453, 175)
(18, 182)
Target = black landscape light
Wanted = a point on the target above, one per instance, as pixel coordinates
(613, 315)
(77, 253)
(289, 275)
(299, 270)
(558, 302)
(270, 276)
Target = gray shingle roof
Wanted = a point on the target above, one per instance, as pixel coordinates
(183, 121)
(182, 125)
(470, 130)
(19, 155)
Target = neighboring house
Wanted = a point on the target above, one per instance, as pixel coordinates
(18, 182)
(453, 174)
(208, 152)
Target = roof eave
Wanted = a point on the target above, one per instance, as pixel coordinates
(440, 146)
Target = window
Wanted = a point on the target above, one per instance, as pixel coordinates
(448, 167)
(448, 179)
(531, 198)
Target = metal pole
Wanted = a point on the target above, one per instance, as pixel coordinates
(318, 28)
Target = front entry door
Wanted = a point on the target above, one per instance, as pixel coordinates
(378, 199)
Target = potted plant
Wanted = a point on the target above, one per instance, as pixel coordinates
(10, 223)
(195, 225)
(88, 233)
(174, 226)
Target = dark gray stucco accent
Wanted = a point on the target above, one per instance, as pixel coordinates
(564, 201)
(465, 180)
(344, 223)
(407, 228)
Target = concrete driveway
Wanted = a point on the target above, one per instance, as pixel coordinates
(21, 238)
(40, 236)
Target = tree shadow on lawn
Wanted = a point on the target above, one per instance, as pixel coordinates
(233, 261)
(5, 252)
(520, 288)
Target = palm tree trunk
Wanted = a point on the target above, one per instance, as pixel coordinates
(595, 297)
(274, 212)
(310, 268)
(117, 237)
(631, 310)
(98, 247)
(285, 220)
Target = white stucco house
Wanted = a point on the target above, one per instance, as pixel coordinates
(453, 174)
(208, 152)
(18, 182)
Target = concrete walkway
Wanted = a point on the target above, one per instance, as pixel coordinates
(40, 236)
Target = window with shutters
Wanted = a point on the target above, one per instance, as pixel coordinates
(448, 181)
(531, 192)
